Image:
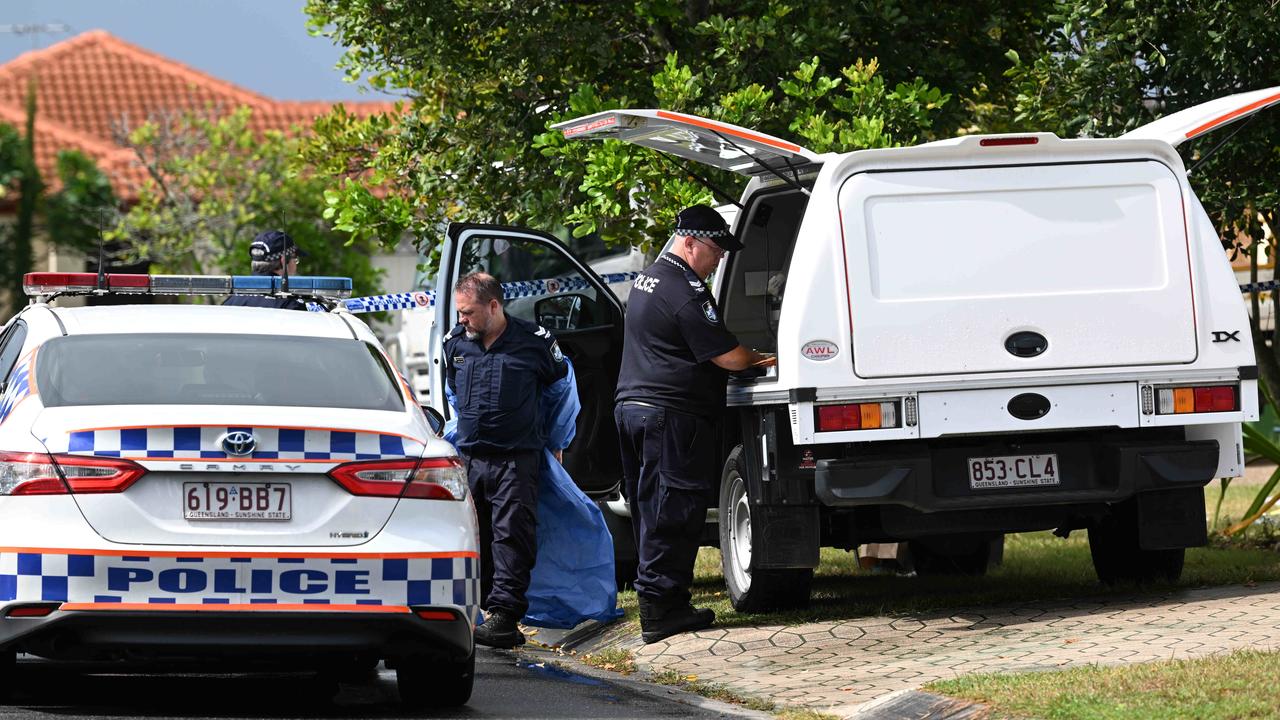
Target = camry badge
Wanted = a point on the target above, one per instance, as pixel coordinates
(238, 443)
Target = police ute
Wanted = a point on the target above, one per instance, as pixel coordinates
(975, 336)
(245, 487)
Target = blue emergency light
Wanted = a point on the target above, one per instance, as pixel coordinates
(43, 284)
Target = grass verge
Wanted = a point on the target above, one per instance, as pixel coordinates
(1238, 685)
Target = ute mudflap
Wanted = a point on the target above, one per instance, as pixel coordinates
(937, 475)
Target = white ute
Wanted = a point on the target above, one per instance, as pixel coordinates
(976, 336)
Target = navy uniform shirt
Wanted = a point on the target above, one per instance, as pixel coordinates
(496, 391)
(673, 330)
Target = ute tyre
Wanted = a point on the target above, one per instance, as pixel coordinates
(425, 684)
(1113, 545)
(751, 589)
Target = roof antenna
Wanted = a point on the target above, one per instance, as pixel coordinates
(284, 263)
(102, 266)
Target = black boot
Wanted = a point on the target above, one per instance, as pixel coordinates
(660, 620)
(499, 630)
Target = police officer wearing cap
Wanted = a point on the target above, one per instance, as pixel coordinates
(497, 367)
(671, 391)
(268, 254)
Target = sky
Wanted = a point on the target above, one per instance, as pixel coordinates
(261, 45)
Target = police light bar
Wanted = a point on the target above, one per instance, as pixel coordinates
(44, 283)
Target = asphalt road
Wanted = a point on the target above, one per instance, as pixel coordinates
(508, 685)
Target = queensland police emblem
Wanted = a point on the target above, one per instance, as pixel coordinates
(555, 352)
(709, 311)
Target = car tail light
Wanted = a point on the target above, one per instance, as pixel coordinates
(37, 474)
(1007, 141)
(436, 614)
(856, 416)
(426, 479)
(1196, 399)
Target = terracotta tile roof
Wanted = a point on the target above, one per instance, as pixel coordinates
(91, 83)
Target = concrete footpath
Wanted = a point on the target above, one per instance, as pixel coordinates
(838, 667)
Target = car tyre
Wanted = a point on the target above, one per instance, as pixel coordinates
(1117, 557)
(8, 671)
(752, 589)
(424, 684)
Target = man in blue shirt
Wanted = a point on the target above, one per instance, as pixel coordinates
(497, 366)
(676, 357)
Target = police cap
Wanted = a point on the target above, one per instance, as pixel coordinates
(272, 245)
(701, 221)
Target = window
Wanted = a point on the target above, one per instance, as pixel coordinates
(541, 283)
(192, 369)
(11, 341)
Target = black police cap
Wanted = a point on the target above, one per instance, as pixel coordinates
(701, 221)
(272, 245)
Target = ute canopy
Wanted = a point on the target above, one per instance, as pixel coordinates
(718, 144)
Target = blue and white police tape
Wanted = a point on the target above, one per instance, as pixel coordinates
(1264, 285)
(510, 291)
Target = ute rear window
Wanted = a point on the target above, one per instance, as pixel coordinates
(191, 369)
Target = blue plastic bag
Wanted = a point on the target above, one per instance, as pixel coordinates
(573, 578)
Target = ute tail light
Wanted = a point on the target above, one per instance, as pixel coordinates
(33, 610)
(1196, 399)
(856, 416)
(38, 474)
(426, 479)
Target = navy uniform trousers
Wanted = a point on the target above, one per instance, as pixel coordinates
(504, 487)
(669, 477)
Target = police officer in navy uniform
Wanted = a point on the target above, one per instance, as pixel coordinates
(268, 254)
(671, 390)
(497, 366)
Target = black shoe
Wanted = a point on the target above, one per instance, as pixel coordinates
(499, 630)
(659, 621)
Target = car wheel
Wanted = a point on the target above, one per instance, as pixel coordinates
(752, 589)
(8, 670)
(424, 684)
(1117, 557)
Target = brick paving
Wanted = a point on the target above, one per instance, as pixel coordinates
(836, 666)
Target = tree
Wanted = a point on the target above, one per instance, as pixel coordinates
(484, 80)
(1109, 67)
(213, 184)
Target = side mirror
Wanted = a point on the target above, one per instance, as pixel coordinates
(434, 418)
(559, 312)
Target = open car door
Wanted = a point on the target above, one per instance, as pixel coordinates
(1206, 117)
(720, 145)
(545, 283)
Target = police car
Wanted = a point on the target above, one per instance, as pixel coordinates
(199, 482)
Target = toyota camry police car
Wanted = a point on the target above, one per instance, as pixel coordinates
(226, 483)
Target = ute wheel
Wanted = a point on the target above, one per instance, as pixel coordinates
(1117, 557)
(955, 554)
(424, 684)
(751, 589)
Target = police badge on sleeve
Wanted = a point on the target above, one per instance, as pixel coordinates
(709, 312)
(555, 352)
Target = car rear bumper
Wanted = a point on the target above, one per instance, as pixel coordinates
(933, 476)
(303, 638)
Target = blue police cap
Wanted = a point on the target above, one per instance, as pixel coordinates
(702, 221)
(272, 245)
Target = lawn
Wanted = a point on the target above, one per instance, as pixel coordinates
(1239, 685)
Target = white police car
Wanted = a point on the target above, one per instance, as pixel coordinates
(226, 483)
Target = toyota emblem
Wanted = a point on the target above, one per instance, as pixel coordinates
(239, 443)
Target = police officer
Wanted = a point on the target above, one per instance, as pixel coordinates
(268, 254)
(497, 366)
(671, 389)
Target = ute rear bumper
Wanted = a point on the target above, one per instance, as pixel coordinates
(931, 476)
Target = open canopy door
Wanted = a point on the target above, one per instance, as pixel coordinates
(1206, 117)
(709, 142)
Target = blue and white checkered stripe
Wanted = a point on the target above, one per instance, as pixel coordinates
(1259, 286)
(510, 291)
(69, 577)
(160, 443)
(18, 389)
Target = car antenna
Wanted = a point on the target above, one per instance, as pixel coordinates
(284, 264)
(102, 266)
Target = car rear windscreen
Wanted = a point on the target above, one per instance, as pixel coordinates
(205, 369)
